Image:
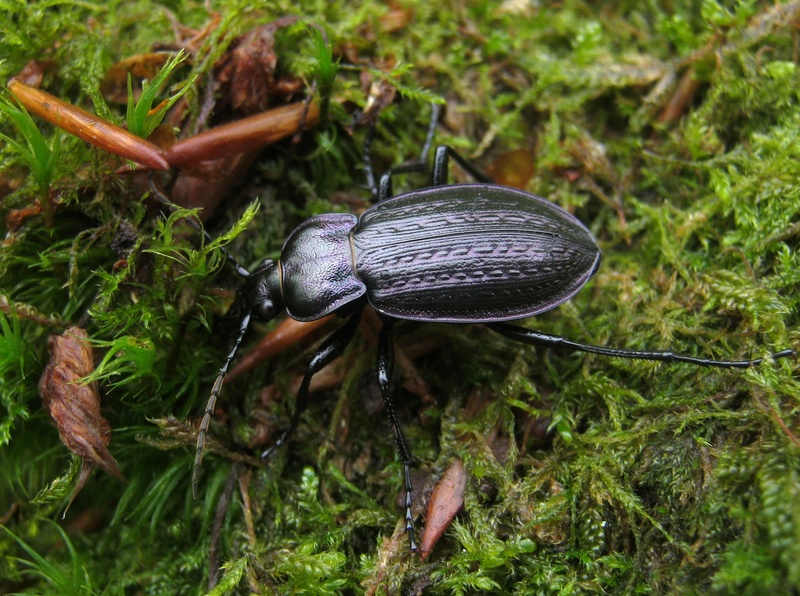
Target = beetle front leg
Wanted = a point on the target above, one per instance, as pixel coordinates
(330, 349)
(385, 366)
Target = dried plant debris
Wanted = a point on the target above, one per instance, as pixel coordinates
(75, 405)
(248, 70)
(446, 501)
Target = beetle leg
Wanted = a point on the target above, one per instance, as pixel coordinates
(384, 190)
(441, 166)
(385, 186)
(385, 366)
(368, 171)
(330, 349)
(535, 338)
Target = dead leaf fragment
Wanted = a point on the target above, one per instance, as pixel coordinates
(248, 71)
(396, 19)
(16, 217)
(88, 127)
(114, 86)
(513, 168)
(32, 73)
(446, 501)
(74, 405)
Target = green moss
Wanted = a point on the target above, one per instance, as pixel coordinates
(654, 478)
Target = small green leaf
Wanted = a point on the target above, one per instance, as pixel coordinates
(141, 117)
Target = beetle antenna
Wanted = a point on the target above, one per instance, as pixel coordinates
(212, 402)
(197, 225)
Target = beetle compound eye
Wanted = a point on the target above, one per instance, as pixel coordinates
(265, 310)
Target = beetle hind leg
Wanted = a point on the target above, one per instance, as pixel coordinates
(385, 366)
(535, 338)
(330, 349)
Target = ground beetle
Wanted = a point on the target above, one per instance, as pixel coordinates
(461, 253)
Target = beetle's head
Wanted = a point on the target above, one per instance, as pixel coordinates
(261, 295)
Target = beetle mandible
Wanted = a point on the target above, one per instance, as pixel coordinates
(461, 253)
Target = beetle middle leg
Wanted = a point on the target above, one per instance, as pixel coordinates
(385, 367)
(384, 189)
(441, 170)
(441, 166)
(330, 349)
(441, 163)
